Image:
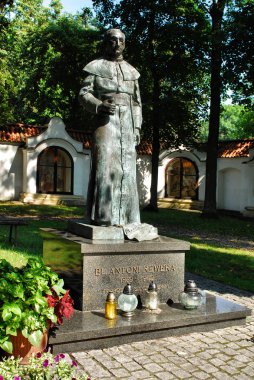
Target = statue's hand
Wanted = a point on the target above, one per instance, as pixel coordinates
(107, 106)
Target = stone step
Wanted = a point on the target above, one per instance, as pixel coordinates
(52, 199)
(90, 330)
(186, 204)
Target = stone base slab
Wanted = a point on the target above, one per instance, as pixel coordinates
(89, 231)
(90, 330)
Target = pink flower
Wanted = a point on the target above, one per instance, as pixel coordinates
(45, 363)
(74, 364)
(1, 377)
(38, 355)
(17, 378)
(57, 358)
(62, 356)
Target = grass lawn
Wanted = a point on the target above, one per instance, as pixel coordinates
(218, 248)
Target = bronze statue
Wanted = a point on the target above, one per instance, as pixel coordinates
(111, 92)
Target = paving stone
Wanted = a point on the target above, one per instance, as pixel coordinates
(217, 362)
(230, 370)
(242, 358)
(157, 358)
(249, 371)
(223, 357)
(165, 376)
(98, 373)
(229, 351)
(235, 363)
(132, 366)
(120, 372)
(209, 368)
(221, 376)
(181, 374)
(112, 350)
(204, 355)
(143, 359)
(201, 375)
(178, 360)
(140, 374)
(122, 358)
(153, 367)
(111, 364)
(232, 345)
(169, 367)
(189, 367)
(242, 377)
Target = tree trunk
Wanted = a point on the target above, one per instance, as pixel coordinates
(210, 209)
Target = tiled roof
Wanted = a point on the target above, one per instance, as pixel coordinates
(235, 148)
(19, 132)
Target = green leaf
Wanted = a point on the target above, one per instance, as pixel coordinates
(6, 314)
(25, 332)
(18, 291)
(11, 330)
(35, 338)
(9, 309)
(58, 288)
(7, 346)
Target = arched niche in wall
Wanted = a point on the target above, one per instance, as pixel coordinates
(54, 171)
(181, 179)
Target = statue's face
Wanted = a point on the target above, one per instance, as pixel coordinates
(115, 44)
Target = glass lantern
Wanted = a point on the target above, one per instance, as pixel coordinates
(191, 297)
(151, 297)
(110, 306)
(127, 301)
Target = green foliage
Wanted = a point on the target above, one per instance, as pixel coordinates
(239, 62)
(23, 303)
(44, 53)
(236, 122)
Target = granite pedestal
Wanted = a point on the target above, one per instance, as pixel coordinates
(92, 268)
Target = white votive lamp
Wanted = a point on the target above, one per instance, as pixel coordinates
(191, 297)
(127, 301)
(151, 297)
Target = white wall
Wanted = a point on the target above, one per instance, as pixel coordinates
(10, 171)
(235, 183)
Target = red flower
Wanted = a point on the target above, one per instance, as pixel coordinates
(63, 307)
(52, 300)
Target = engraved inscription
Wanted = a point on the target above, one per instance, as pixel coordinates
(134, 270)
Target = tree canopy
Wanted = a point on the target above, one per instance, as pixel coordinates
(43, 53)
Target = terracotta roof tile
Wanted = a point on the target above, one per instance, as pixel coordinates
(235, 148)
(18, 132)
